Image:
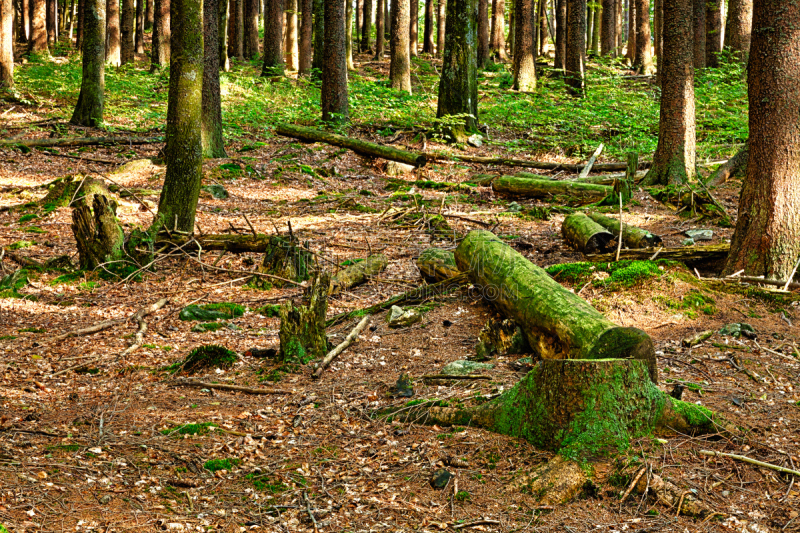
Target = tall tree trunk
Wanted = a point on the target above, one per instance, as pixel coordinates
(597, 28)
(413, 28)
(89, 109)
(400, 64)
(524, 46)
(498, 38)
(387, 21)
(658, 24)
(140, 26)
(162, 36)
(79, 37)
(183, 151)
(24, 20)
(306, 25)
(291, 44)
(674, 160)
(366, 27)
(428, 46)
(561, 35)
(149, 15)
(127, 30)
(38, 42)
(236, 28)
(699, 8)
(319, 36)
(713, 32)
(575, 60)
(211, 131)
(608, 46)
(222, 35)
(458, 86)
(620, 24)
(766, 241)
(738, 27)
(359, 24)
(335, 106)
(273, 37)
(250, 33)
(6, 44)
(644, 53)
(483, 33)
(348, 15)
(631, 51)
(441, 18)
(380, 31)
(51, 20)
(113, 51)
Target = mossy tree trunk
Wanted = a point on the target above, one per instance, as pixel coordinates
(162, 36)
(98, 234)
(586, 235)
(302, 329)
(436, 264)
(458, 86)
(89, 109)
(400, 63)
(358, 273)
(273, 39)
(575, 59)
(524, 61)
(113, 49)
(285, 258)
(183, 151)
(335, 102)
(211, 132)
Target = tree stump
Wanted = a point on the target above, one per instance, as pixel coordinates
(302, 330)
(285, 258)
(436, 264)
(97, 232)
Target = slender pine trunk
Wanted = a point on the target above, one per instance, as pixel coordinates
(211, 132)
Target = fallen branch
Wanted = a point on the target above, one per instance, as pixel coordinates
(223, 386)
(746, 459)
(106, 324)
(333, 354)
(731, 167)
(687, 254)
(477, 523)
(541, 165)
(79, 141)
(450, 376)
(671, 496)
(590, 163)
(138, 338)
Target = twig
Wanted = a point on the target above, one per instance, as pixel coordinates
(467, 219)
(252, 273)
(308, 510)
(590, 163)
(448, 376)
(106, 324)
(751, 461)
(485, 521)
(680, 502)
(633, 484)
(138, 339)
(339, 349)
(249, 224)
(223, 386)
(791, 276)
(621, 227)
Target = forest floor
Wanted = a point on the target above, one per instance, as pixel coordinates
(118, 445)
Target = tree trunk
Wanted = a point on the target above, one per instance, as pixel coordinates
(524, 64)
(222, 34)
(766, 241)
(400, 64)
(561, 35)
(387, 20)
(285, 258)
(713, 32)
(620, 23)
(632, 237)
(38, 41)
(596, 29)
(273, 39)
(302, 329)
(585, 235)
(575, 60)
(98, 234)
(358, 273)
(658, 28)
(441, 18)
(428, 47)
(183, 151)
(483, 33)
(380, 31)
(250, 33)
(348, 15)
(113, 52)
(335, 104)
(211, 132)
(319, 36)
(436, 264)
(291, 45)
(738, 27)
(498, 38)
(543, 188)
(127, 31)
(413, 28)
(608, 45)
(674, 160)
(631, 52)
(51, 21)
(699, 8)
(458, 86)
(25, 9)
(366, 27)
(6, 44)
(236, 25)
(140, 26)
(359, 23)
(162, 36)
(711, 257)
(306, 25)
(149, 15)
(79, 37)
(643, 63)
(89, 109)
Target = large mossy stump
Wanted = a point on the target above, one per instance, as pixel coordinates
(285, 258)
(500, 337)
(557, 323)
(302, 329)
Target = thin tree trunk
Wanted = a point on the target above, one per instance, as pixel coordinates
(713, 32)
(575, 60)
(149, 15)
(561, 35)
(380, 31)
(113, 51)
(387, 21)
(413, 28)
(127, 31)
(236, 29)
(631, 51)
(273, 39)
(366, 27)
(291, 44)
(38, 42)
(26, 19)
(524, 46)
(222, 34)
(498, 38)
(79, 37)
(658, 24)
(483, 33)
(543, 31)
(6, 44)
(140, 26)
(427, 39)
(620, 23)
(211, 132)
(335, 106)
(766, 241)
(441, 18)
(738, 27)
(348, 15)
(608, 45)
(458, 86)
(644, 53)
(162, 36)
(306, 25)
(597, 28)
(319, 36)
(51, 20)
(250, 27)
(699, 7)
(89, 109)
(359, 23)
(674, 160)
(400, 65)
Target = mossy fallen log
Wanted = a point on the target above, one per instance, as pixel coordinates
(557, 323)
(358, 273)
(586, 235)
(358, 146)
(79, 141)
(436, 264)
(219, 242)
(540, 188)
(540, 165)
(711, 256)
(632, 236)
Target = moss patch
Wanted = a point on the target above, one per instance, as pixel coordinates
(190, 429)
(621, 274)
(208, 356)
(211, 311)
(215, 465)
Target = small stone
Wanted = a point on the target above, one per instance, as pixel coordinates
(216, 191)
(726, 493)
(475, 140)
(514, 207)
(699, 234)
(393, 168)
(687, 242)
(440, 479)
(398, 318)
(462, 368)
(105, 499)
(737, 329)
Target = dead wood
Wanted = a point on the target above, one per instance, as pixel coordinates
(333, 354)
(139, 318)
(106, 324)
(731, 167)
(541, 165)
(358, 273)
(691, 255)
(223, 386)
(79, 141)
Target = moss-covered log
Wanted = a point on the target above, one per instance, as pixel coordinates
(358, 273)
(539, 188)
(79, 141)
(586, 235)
(632, 237)
(557, 323)
(436, 264)
(712, 256)
(500, 337)
(539, 165)
(365, 148)
(302, 329)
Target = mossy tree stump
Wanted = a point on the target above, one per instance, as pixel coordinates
(285, 258)
(302, 330)
(436, 264)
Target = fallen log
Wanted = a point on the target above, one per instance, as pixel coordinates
(557, 323)
(79, 141)
(365, 148)
(633, 237)
(731, 167)
(358, 273)
(223, 386)
(539, 188)
(707, 256)
(436, 264)
(219, 242)
(589, 164)
(540, 165)
(586, 235)
(333, 354)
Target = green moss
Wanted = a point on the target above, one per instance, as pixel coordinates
(214, 465)
(21, 244)
(211, 311)
(190, 429)
(28, 217)
(621, 273)
(692, 302)
(696, 415)
(32, 330)
(34, 229)
(204, 327)
(208, 356)
(264, 483)
(67, 278)
(463, 496)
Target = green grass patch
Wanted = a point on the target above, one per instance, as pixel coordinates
(19, 245)
(32, 330)
(215, 465)
(203, 428)
(621, 274)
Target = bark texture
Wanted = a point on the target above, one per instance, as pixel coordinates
(644, 52)
(483, 33)
(222, 34)
(113, 47)
(441, 18)
(561, 35)
(348, 14)
(89, 109)
(458, 86)
(6, 44)
(738, 27)
(38, 41)
(139, 26)
(358, 273)
(98, 235)
(608, 45)
(149, 15)
(543, 188)
(162, 36)
(436, 264)
(335, 106)
(291, 46)
(498, 37)
(250, 39)
(127, 32)
(273, 39)
(400, 65)
(524, 46)
(183, 152)
(319, 35)
(380, 30)
(713, 32)
(586, 235)
(213, 143)
(302, 329)
(632, 236)
(366, 27)
(699, 9)
(674, 160)
(236, 29)
(767, 236)
(428, 47)
(306, 25)
(413, 28)
(575, 60)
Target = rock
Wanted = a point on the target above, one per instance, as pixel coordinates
(217, 192)
(105, 499)
(404, 387)
(475, 140)
(462, 368)
(393, 168)
(513, 207)
(440, 479)
(687, 242)
(697, 339)
(737, 329)
(402, 319)
(699, 234)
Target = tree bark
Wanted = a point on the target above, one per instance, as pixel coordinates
(632, 236)
(98, 234)
(458, 86)
(236, 25)
(162, 36)
(335, 104)
(358, 273)
(543, 188)
(400, 64)
(127, 32)
(250, 38)
(89, 109)
(380, 30)
(713, 32)
(25, 8)
(291, 45)
(596, 29)
(302, 329)
(319, 36)
(498, 37)
(273, 39)
(413, 28)
(561, 35)
(585, 235)
(51, 21)
(483, 33)
(699, 7)
(658, 28)
(738, 27)
(113, 52)
(306, 25)
(6, 44)
(183, 151)
(211, 132)
(359, 23)
(766, 241)
(524, 47)
(348, 15)
(643, 62)
(139, 47)
(441, 18)
(694, 256)
(222, 35)
(38, 42)
(631, 51)
(366, 27)
(575, 60)
(79, 37)
(608, 46)
(428, 47)
(674, 160)
(149, 15)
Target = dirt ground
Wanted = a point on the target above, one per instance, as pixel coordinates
(88, 440)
